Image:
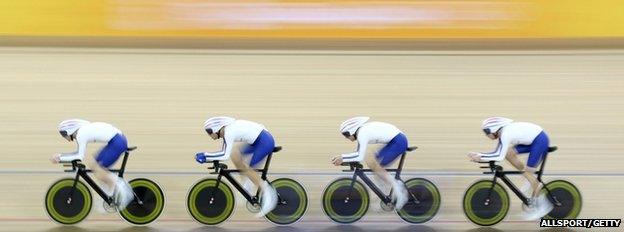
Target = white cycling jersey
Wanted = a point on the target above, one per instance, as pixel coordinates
(371, 133)
(238, 131)
(99, 132)
(511, 135)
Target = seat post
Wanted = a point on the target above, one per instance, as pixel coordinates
(266, 166)
(541, 170)
(398, 172)
(123, 164)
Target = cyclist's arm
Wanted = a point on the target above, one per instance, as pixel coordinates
(358, 155)
(498, 154)
(78, 155)
(224, 154)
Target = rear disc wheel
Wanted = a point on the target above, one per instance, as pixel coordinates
(147, 205)
(426, 203)
(292, 202)
(566, 200)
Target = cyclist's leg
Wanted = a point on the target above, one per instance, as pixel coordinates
(240, 158)
(512, 157)
(378, 170)
(107, 180)
(263, 146)
(237, 156)
(388, 154)
(101, 174)
(392, 150)
(106, 157)
(260, 149)
(539, 148)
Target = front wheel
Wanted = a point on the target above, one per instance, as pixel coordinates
(344, 203)
(486, 203)
(424, 201)
(209, 204)
(66, 204)
(148, 203)
(566, 200)
(292, 202)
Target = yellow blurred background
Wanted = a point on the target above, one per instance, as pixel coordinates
(362, 19)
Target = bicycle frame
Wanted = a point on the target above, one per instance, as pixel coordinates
(498, 173)
(81, 171)
(359, 171)
(222, 171)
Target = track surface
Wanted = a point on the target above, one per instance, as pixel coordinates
(160, 98)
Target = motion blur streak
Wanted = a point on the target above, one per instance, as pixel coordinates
(140, 15)
(315, 19)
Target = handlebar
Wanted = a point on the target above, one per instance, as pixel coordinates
(493, 166)
(77, 165)
(490, 164)
(352, 165)
(357, 165)
(74, 164)
(216, 166)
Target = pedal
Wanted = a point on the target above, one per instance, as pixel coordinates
(109, 208)
(386, 207)
(252, 208)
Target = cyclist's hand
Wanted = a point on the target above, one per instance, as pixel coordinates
(337, 160)
(55, 159)
(200, 158)
(474, 156)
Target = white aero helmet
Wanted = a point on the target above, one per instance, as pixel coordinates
(350, 126)
(214, 124)
(70, 126)
(493, 124)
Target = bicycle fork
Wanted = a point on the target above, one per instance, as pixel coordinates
(73, 189)
(489, 195)
(353, 179)
(552, 198)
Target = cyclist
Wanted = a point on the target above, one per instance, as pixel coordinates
(358, 128)
(257, 143)
(84, 132)
(517, 138)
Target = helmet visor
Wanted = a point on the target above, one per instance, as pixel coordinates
(487, 131)
(64, 134)
(209, 131)
(346, 134)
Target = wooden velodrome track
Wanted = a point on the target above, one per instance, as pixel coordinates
(160, 99)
